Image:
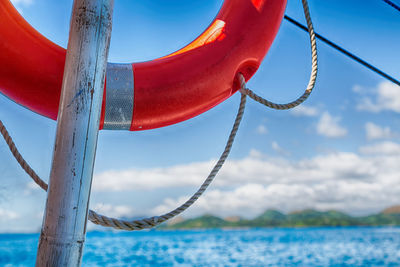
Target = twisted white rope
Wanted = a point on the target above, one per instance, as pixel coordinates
(25, 166)
(313, 76)
(156, 220)
(146, 222)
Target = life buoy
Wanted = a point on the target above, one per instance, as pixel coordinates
(150, 94)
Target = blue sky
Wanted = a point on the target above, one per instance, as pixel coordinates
(340, 150)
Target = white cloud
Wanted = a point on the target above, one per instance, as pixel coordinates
(250, 200)
(277, 148)
(329, 126)
(305, 111)
(136, 179)
(374, 131)
(114, 211)
(358, 89)
(385, 97)
(385, 148)
(22, 2)
(6, 215)
(351, 182)
(261, 129)
(255, 154)
(254, 169)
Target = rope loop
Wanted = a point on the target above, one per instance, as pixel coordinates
(313, 76)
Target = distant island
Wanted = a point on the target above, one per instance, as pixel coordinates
(305, 218)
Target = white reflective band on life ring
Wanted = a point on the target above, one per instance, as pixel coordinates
(119, 97)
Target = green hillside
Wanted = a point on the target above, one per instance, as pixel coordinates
(205, 221)
(317, 218)
(305, 218)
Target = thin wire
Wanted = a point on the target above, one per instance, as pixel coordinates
(347, 53)
(390, 3)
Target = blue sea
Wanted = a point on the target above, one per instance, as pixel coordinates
(350, 246)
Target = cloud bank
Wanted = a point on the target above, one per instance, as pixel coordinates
(357, 183)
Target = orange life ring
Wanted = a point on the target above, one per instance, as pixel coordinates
(150, 94)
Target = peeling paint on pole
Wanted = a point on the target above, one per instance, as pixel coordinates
(64, 223)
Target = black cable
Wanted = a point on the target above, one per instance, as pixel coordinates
(390, 3)
(347, 53)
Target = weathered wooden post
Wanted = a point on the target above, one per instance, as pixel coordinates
(64, 224)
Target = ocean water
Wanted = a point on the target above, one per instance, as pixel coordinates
(350, 246)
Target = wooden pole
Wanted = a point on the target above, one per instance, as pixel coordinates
(64, 224)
